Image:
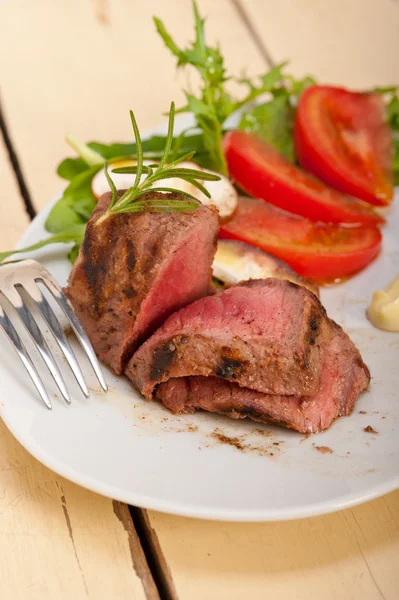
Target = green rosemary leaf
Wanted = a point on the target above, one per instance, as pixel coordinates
(133, 169)
(195, 173)
(138, 197)
(169, 137)
(173, 191)
(199, 185)
(139, 149)
(159, 206)
(111, 185)
(185, 157)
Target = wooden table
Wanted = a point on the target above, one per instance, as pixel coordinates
(79, 65)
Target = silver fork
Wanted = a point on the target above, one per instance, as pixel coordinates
(20, 294)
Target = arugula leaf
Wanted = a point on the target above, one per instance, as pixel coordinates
(297, 86)
(152, 148)
(393, 112)
(73, 254)
(76, 204)
(210, 110)
(268, 83)
(274, 122)
(73, 234)
(392, 103)
(216, 104)
(70, 167)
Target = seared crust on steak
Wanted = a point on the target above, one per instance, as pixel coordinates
(135, 269)
(264, 350)
(268, 335)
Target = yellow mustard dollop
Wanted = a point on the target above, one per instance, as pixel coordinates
(383, 311)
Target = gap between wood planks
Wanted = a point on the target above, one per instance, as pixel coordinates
(150, 565)
(135, 520)
(12, 155)
(259, 43)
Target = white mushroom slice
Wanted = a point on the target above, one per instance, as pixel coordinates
(223, 195)
(237, 261)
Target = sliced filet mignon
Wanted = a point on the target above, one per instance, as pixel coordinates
(136, 269)
(267, 334)
(178, 367)
(343, 378)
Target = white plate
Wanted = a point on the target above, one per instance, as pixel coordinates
(137, 452)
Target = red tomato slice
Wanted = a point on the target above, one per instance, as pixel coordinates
(316, 251)
(345, 139)
(264, 173)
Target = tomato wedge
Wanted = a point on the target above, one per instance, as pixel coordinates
(264, 173)
(316, 251)
(344, 138)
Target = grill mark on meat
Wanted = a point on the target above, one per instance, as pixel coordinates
(231, 365)
(301, 372)
(130, 257)
(94, 266)
(129, 293)
(123, 279)
(162, 358)
(313, 332)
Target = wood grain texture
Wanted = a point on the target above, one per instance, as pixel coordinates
(88, 63)
(13, 217)
(351, 554)
(57, 540)
(82, 75)
(349, 42)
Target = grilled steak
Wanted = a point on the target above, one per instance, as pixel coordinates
(268, 335)
(136, 269)
(264, 350)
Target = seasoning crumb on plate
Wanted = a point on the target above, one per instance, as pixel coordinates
(369, 429)
(324, 449)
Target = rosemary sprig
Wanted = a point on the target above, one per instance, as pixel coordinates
(139, 197)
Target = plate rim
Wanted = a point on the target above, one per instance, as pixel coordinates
(188, 509)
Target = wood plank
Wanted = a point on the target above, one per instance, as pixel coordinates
(351, 554)
(13, 217)
(88, 63)
(58, 540)
(349, 42)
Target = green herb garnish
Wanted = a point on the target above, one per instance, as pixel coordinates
(273, 120)
(138, 198)
(391, 97)
(67, 220)
(73, 234)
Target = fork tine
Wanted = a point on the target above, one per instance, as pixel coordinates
(25, 314)
(66, 306)
(20, 349)
(48, 314)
